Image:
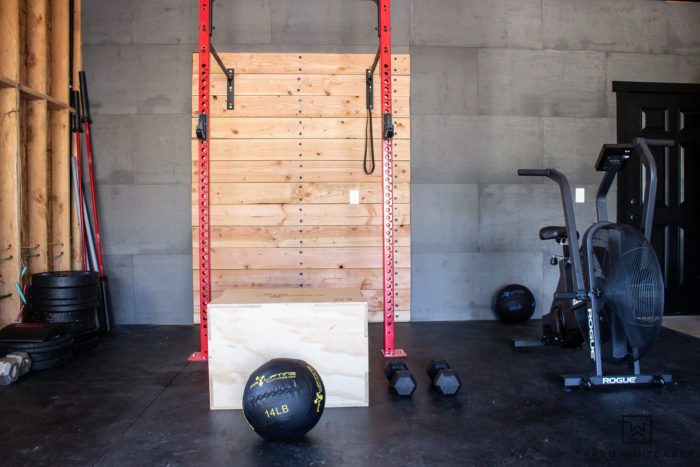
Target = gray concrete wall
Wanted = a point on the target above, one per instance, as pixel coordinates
(496, 85)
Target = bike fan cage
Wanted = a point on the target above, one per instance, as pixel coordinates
(383, 59)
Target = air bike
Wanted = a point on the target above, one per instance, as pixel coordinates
(611, 291)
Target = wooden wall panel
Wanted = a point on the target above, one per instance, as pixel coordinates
(38, 207)
(294, 149)
(9, 155)
(311, 214)
(282, 163)
(34, 195)
(59, 248)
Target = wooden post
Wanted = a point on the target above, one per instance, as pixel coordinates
(9, 150)
(76, 250)
(60, 247)
(37, 202)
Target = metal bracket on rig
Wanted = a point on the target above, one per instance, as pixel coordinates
(388, 126)
(229, 88)
(202, 130)
(369, 89)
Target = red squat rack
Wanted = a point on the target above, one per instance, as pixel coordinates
(383, 57)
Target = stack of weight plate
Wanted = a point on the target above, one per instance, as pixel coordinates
(48, 345)
(70, 298)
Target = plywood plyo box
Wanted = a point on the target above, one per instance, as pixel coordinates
(282, 164)
(325, 327)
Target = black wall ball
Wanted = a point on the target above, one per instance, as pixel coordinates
(514, 303)
(283, 399)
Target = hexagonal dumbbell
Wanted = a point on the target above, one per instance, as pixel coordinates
(401, 380)
(22, 359)
(443, 378)
(9, 371)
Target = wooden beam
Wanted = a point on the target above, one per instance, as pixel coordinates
(37, 50)
(297, 215)
(37, 187)
(301, 193)
(37, 139)
(291, 171)
(363, 278)
(76, 250)
(306, 63)
(60, 248)
(302, 236)
(9, 228)
(308, 258)
(59, 66)
(295, 106)
(301, 128)
(294, 85)
(9, 40)
(22, 44)
(10, 241)
(295, 149)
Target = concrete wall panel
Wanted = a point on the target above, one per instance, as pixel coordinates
(472, 149)
(446, 218)
(477, 23)
(163, 289)
(444, 81)
(541, 83)
(145, 219)
(143, 79)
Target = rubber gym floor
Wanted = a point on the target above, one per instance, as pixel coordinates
(135, 400)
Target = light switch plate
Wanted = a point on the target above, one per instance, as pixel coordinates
(354, 196)
(580, 195)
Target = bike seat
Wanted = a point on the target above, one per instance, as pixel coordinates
(552, 232)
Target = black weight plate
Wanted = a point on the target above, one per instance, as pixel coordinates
(43, 365)
(67, 317)
(65, 340)
(64, 308)
(68, 308)
(64, 301)
(87, 344)
(86, 335)
(27, 333)
(51, 293)
(51, 355)
(65, 279)
(80, 326)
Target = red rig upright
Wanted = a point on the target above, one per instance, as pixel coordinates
(205, 18)
(384, 52)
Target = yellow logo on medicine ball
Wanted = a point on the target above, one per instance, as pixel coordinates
(318, 400)
(260, 380)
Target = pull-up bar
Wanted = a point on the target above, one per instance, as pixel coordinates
(383, 59)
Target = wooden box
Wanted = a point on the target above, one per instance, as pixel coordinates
(325, 327)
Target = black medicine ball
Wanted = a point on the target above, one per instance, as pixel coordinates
(514, 304)
(283, 399)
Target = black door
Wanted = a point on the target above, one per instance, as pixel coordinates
(666, 111)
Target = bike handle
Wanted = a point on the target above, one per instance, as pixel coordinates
(534, 172)
(666, 143)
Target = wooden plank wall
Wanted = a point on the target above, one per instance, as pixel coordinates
(281, 167)
(34, 148)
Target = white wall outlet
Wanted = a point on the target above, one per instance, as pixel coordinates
(580, 195)
(354, 196)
